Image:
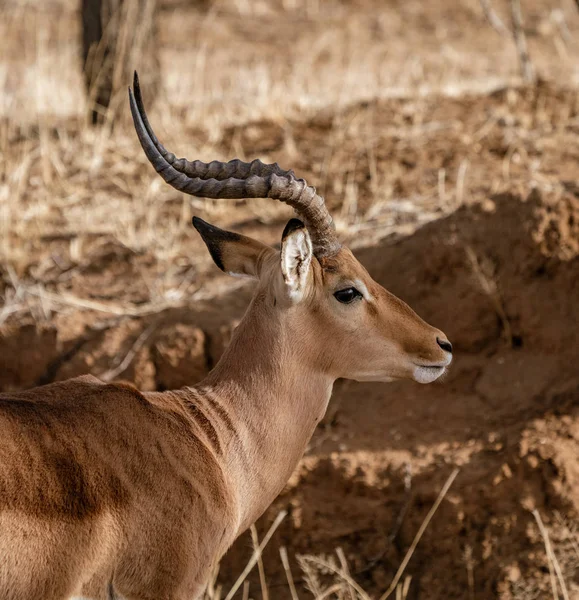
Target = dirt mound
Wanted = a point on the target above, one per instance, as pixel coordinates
(502, 280)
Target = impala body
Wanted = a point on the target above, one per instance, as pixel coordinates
(106, 491)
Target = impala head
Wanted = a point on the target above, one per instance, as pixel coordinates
(342, 320)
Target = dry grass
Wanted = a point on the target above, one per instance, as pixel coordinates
(329, 578)
(316, 570)
(65, 187)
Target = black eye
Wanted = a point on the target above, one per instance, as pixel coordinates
(347, 295)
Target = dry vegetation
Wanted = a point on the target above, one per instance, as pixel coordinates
(408, 116)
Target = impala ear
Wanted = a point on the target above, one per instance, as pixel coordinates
(296, 257)
(233, 253)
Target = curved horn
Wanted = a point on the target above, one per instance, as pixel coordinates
(237, 179)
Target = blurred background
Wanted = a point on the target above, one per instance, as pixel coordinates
(444, 137)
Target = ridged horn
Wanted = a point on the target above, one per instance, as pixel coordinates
(237, 179)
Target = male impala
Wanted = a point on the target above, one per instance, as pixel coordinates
(105, 490)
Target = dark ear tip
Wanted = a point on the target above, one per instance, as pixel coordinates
(201, 225)
(213, 233)
(292, 225)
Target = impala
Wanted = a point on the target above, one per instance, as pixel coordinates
(106, 491)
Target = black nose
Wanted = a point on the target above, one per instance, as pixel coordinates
(444, 344)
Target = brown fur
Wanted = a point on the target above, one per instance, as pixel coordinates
(102, 485)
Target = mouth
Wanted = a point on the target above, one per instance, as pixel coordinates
(428, 374)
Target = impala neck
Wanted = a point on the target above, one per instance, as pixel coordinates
(268, 386)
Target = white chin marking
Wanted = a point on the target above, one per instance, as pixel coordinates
(427, 374)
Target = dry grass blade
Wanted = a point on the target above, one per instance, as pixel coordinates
(320, 562)
(460, 181)
(419, 535)
(256, 555)
(547, 543)
(553, 563)
(311, 579)
(527, 70)
(261, 570)
(346, 570)
(402, 589)
(333, 589)
(288, 573)
(406, 586)
(494, 20)
(245, 594)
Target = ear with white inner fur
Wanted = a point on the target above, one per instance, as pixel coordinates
(233, 253)
(296, 257)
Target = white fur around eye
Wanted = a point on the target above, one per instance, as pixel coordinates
(361, 287)
(296, 257)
